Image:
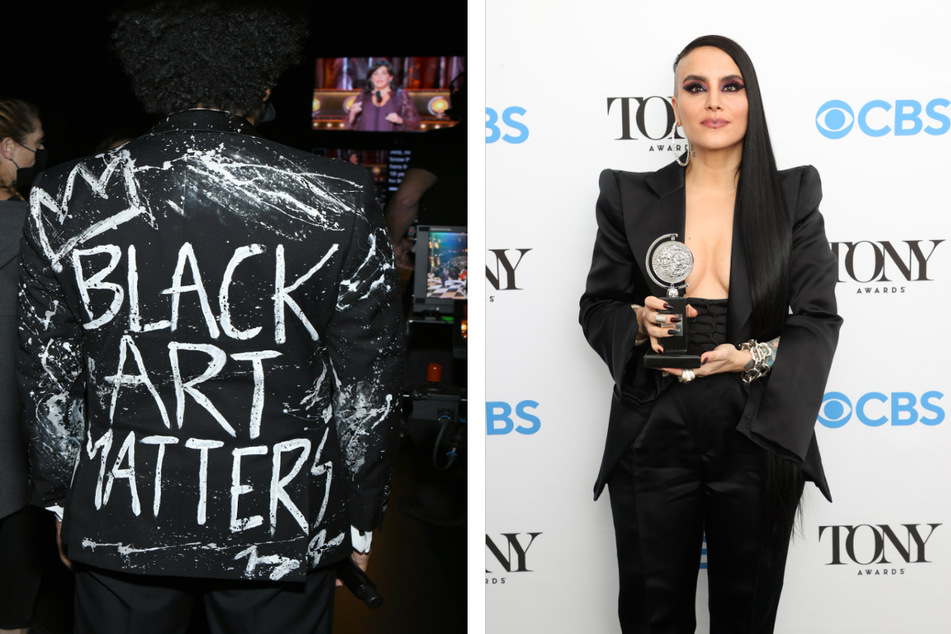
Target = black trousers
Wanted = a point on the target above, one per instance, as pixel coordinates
(108, 601)
(36, 589)
(690, 473)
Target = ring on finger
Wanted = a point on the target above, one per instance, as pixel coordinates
(660, 320)
(687, 376)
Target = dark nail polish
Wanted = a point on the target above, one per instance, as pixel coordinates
(703, 362)
(675, 319)
(666, 306)
(672, 331)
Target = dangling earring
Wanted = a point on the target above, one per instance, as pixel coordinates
(687, 162)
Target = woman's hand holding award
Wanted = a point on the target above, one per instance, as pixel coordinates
(669, 262)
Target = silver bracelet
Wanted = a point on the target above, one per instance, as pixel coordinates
(761, 354)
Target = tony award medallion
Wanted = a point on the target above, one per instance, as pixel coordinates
(669, 262)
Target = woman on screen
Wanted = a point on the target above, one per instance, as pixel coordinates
(382, 106)
(720, 450)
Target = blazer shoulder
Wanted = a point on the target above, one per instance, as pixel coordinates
(802, 188)
(621, 189)
(61, 173)
(340, 176)
(622, 179)
(802, 175)
(609, 175)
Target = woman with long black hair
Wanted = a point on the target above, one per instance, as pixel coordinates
(721, 450)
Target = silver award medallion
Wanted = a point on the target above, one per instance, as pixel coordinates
(669, 263)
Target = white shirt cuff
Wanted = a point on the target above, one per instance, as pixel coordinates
(360, 540)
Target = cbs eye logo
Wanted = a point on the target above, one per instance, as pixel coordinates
(876, 409)
(878, 118)
(836, 410)
(835, 119)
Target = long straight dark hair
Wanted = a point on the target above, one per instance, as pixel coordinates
(760, 206)
(766, 233)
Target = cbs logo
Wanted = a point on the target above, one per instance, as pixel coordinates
(499, 418)
(509, 130)
(835, 118)
(875, 409)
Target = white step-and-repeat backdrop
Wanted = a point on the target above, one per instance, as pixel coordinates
(861, 90)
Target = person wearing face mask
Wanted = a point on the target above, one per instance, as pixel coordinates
(26, 549)
(22, 154)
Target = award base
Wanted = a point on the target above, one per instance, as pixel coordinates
(675, 346)
(671, 360)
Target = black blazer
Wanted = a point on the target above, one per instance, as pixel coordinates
(14, 490)
(633, 210)
(211, 353)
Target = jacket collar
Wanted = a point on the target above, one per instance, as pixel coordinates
(661, 213)
(204, 119)
(667, 180)
(667, 184)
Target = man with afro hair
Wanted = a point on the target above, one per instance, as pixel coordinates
(210, 344)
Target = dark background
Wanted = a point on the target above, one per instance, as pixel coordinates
(58, 57)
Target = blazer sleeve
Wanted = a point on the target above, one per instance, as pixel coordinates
(782, 409)
(50, 366)
(614, 283)
(365, 343)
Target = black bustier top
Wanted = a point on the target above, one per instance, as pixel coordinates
(708, 329)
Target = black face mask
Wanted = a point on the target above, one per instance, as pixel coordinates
(26, 175)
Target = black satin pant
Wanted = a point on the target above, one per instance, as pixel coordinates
(690, 473)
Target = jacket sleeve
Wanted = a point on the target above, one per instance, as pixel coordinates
(50, 367)
(365, 343)
(781, 411)
(355, 124)
(408, 111)
(614, 283)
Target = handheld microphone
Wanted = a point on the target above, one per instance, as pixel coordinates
(358, 583)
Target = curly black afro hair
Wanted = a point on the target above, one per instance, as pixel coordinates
(219, 54)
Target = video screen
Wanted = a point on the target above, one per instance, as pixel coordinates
(447, 265)
(383, 94)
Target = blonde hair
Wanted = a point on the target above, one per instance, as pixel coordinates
(18, 118)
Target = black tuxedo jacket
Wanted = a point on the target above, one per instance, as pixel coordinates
(633, 210)
(211, 350)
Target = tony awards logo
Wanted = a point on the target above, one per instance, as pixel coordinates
(669, 262)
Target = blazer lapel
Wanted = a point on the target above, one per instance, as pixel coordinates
(662, 210)
(659, 211)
